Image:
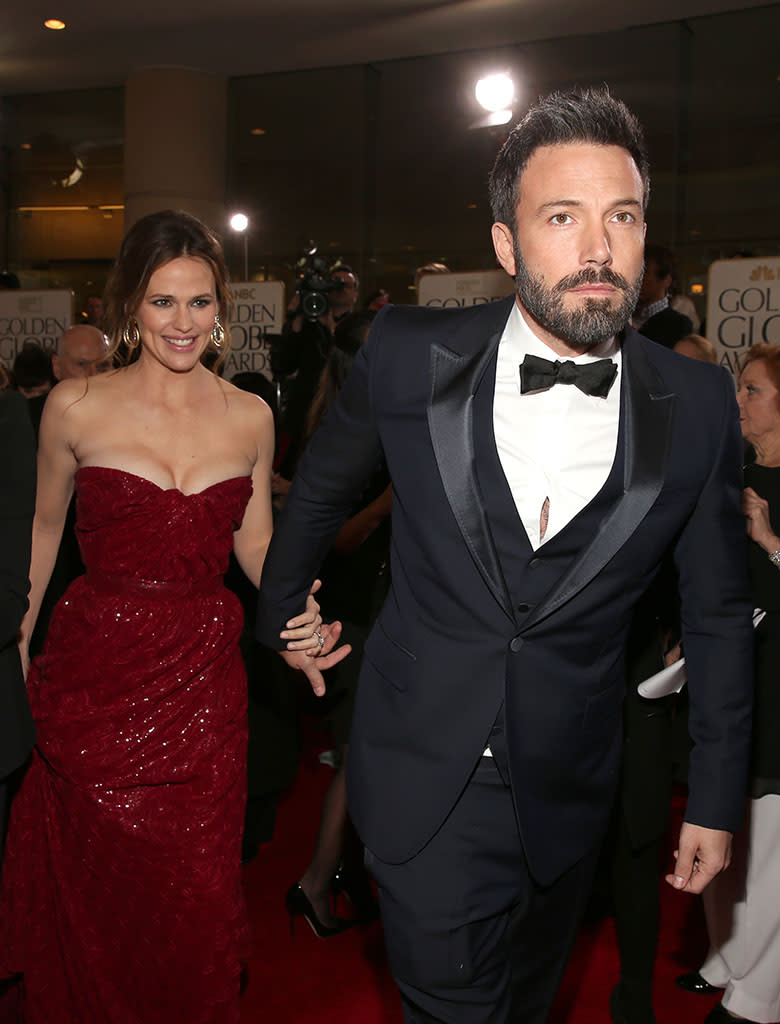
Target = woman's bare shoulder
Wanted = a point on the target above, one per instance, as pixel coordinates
(246, 404)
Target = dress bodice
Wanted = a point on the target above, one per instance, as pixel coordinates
(130, 527)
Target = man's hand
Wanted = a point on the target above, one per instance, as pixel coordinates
(313, 664)
(702, 854)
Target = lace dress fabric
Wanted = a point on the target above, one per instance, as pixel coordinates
(121, 897)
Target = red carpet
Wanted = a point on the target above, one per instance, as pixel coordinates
(344, 980)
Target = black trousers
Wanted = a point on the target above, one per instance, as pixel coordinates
(471, 938)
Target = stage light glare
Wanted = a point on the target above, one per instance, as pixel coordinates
(239, 222)
(495, 92)
(55, 24)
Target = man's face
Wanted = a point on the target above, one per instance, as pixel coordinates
(82, 353)
(578, 246)
(94, 309)
(342, 300)
(654, 287)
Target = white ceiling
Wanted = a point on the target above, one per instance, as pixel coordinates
(105, 40)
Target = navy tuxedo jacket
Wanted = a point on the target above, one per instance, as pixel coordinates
(476, 620)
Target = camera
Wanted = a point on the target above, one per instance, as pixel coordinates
(314, 284)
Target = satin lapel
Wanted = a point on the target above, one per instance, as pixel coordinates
(456, 370)
(648, 422)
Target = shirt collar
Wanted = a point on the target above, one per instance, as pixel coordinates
(644, 314)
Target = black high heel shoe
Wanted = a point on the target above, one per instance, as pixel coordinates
(357, 889)
(299, 905)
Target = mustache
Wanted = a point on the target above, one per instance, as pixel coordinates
(592, 276)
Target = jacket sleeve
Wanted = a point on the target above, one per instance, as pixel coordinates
(711, 557)
(17, 505)
(330, 477)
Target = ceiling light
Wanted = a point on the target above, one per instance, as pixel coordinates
(495, 92)
(26, 145)
(257, 131)
(55, 24)
(239, 222)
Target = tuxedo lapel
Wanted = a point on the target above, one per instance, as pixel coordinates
(456, 370)
(648, 420)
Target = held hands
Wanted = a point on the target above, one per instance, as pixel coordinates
(311, 643)
(759, 527)
(702, 853)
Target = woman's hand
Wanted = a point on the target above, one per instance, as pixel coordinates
(303, 632)
(24, 654)
(759, 527)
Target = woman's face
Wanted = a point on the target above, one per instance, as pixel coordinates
(176, 315)
(759, 411)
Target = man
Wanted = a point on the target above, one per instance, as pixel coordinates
(303, 349)
(81, 352)
(654, 317)
(528, 519)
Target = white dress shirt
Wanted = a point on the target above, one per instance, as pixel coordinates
(558, 444)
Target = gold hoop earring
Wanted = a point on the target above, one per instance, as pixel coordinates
(131, 335)
(217, 334)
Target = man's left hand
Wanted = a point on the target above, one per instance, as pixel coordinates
(702, 854)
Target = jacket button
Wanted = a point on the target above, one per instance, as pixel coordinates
(534, 563)
(516, 644)
(523, 607)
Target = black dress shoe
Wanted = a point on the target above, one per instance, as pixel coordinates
(693, 982)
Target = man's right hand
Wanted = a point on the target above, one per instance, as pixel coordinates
(313, 665)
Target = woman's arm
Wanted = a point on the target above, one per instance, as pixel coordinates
(252, 539)
(57, 467)
(360, 527)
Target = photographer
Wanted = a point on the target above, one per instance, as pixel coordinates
(305, 343)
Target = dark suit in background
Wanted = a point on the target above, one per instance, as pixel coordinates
(17, 506)
(667, 327)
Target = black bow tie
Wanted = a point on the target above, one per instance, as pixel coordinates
(594, 378)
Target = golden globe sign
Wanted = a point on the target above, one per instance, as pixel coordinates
(743, 307)
(471, 288)
(33, 317)
(259, 311)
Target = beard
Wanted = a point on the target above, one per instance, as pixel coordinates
(590, 324)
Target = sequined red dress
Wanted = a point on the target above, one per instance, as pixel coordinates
(121, 898)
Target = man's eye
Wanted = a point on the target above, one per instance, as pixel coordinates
(561, 218)
(624, 217)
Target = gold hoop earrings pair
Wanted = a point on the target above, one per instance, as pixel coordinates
(131, 336)
(217, 334)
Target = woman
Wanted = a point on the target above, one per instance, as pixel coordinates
(17, 502)
(741, 905)
(122, 887)
(356, 576)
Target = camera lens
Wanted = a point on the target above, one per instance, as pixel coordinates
(314, 304)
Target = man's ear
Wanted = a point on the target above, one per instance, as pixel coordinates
(55, 365)
(503, 243)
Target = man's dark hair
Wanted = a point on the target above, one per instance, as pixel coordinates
(582, 115)
(662, 257)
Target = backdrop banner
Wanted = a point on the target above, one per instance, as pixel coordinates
(470, 288)
(260, 311)
(743, 307)
(39, 317)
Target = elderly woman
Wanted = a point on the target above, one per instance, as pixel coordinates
(742, 907)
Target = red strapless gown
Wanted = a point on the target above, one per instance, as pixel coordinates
(121, 898)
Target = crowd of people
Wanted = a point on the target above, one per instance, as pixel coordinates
(511, 515)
